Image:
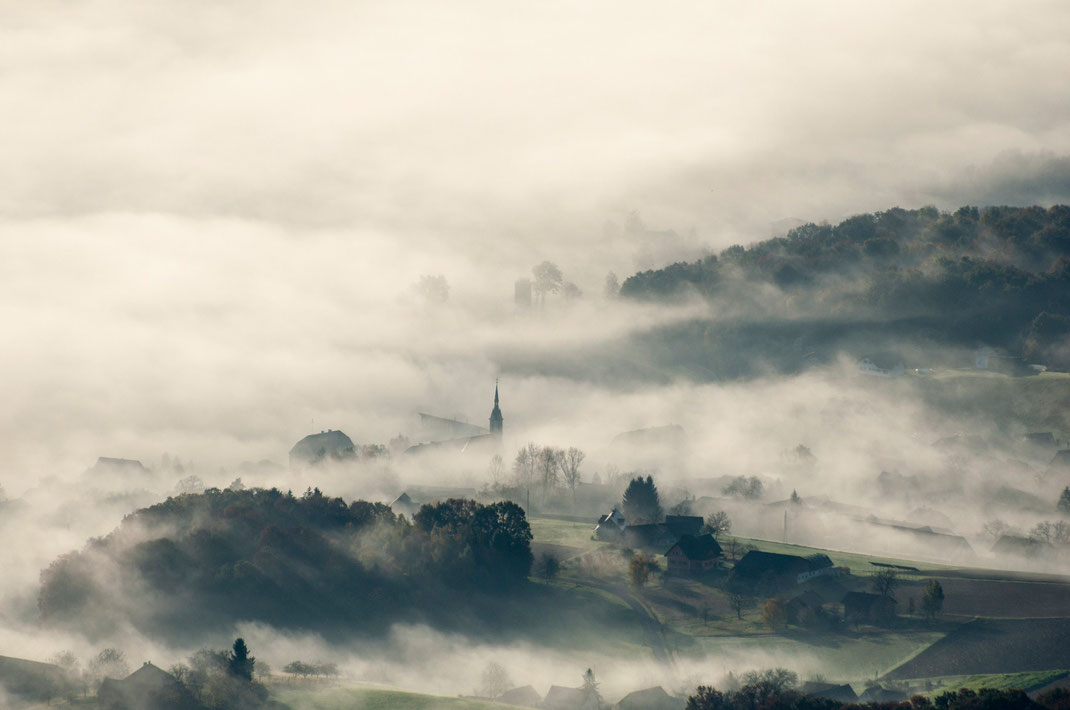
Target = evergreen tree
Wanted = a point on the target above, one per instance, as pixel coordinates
(641, 503)
(1064, 501)
(240, 663)
(932, 602)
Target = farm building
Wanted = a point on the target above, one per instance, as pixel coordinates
(610, 526)
(147, 688)
(525, 696)
(808, 600)
(840, 693)
(315, 448)
(651, 699)
(692, 554)
(770, 571)
(684, 524)
(559, 698)
(863, 607)
(655, 535)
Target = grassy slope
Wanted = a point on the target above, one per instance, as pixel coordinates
(365, 698)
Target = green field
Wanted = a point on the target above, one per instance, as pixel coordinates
(564, 532)
(859, 564)
(373, 698)
(1005, 681)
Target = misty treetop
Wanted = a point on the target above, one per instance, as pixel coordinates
(998, 276)
(309, 562)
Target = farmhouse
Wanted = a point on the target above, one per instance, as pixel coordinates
(315, 448)
(147, 688)
(684, 524)
(651, 699)
(841, 693)
(862, 607)
(656, 535)
(525, 696)
(610, 526)
(808, 600)
(771, 571)
(692, 554)
(559, 698)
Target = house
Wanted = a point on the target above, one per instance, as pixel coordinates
(147, 688)
(610, 526)
(651, 699)
(693, 554)
(809, 599)
(840, 693)
(315, 448)
(404, 505)
(684, 524)
(525, 696)
(769, 571)
(879, 694)
(863, 607)
(30, 680)
(559, 698)
(654, 535)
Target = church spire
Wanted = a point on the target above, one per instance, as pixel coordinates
(496, 414)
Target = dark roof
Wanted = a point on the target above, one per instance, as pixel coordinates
(703, 547)
(147, 688)
(808, 598)
(684, 524)
(652, 535)
(843, 693)
(314, 447)
(757, 563)
(818, 561)
(651, 699)
(105, 462)
(31, 679)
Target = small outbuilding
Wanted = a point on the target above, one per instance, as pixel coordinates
(866, 608)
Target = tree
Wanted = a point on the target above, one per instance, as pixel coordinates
(639, 567)
(525, 465)
(612, 287)
(570, 466)
(299, 668)
(571, 291)
(743, 487)
(708, 698)
(548, 567)
(495, 681)
(240, 663)
(433, 288)
(548, 279)
(795, 497)
(774, 614)
(1064, 501)
(641, 502)
(932, 601)
(719, 523)
(109, 663)
(590, 686)
(995, 529)
(884, 583)
(548, 463)
(496, 469)
(1043, 531)
(739, 601)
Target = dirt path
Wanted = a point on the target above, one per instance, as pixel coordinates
(652, 628)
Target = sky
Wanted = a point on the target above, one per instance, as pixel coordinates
(211, 217)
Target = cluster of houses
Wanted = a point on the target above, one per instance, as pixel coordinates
(689, 552)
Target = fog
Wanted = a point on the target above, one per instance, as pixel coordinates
(213, 222)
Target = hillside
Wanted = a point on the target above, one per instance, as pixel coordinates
(913, 285)
(313, 562)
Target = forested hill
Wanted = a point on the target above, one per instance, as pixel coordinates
(997, 276)
(210, 560)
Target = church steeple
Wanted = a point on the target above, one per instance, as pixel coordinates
(496, 415)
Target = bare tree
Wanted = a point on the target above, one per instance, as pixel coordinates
(739, 602)
(496, 469)
(995, 529)
(884, 582)
(548, 463)
(570, 466)
(719, 523)
(495, 681)
(524, 466)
